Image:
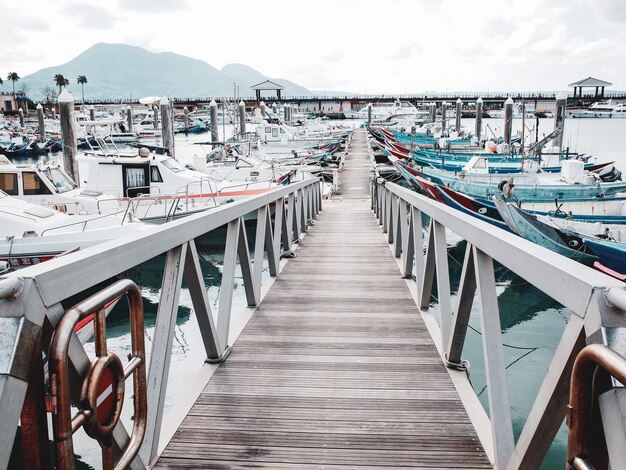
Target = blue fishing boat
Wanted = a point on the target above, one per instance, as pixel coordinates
(572, 184)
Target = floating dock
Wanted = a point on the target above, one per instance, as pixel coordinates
(336, 367)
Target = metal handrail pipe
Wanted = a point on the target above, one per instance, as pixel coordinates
(592, 358)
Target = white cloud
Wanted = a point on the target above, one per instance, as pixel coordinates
(345, 45)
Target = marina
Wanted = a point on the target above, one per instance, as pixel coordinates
(354, 245)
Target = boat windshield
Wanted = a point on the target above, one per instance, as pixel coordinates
(61, 182)
(3, 194)
(173, 165)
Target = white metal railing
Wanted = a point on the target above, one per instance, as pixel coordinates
(30, 299)
(595, 300)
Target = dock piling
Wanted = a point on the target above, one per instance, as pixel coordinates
(459, 112)
(444, 116)
(559, 117)
(92, 113)
(508, 119)
(20, 113)
(167, 130)
(129, 118)
(155, 110)
(186, 113)
(432, 112)
(68, 134)
(242, 117)
(213, 114)
(41, 122)
(479, 118)
(262, 106)
(369, 114)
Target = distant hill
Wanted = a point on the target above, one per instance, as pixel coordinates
(117, 70)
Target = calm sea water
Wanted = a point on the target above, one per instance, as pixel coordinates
(532, 323)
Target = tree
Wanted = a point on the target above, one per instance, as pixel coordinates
(14, 77)
(49, 95)
(61, 81)
(81, 80)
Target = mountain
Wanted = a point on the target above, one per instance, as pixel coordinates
(118, 70)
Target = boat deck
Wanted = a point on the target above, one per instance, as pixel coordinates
(336, 368)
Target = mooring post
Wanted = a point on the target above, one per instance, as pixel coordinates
(508, 119)
(479, 118)
(186, 113)
(559, 118)
(459, 113)
(214, 128)
(129, 118)
(369, 114)
(287, 113)
(242, 117)
(155, 109)
(432, 112)
(92, 113)
(167, 130)
(262, 106)
(41, 122)
(20, 113)
(68, 134)
(444, 116)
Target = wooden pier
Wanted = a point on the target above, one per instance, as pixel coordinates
(336, 368)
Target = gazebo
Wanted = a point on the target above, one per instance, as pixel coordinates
(267, 85)
(589, 83)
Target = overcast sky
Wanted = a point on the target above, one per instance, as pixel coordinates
(391, 46)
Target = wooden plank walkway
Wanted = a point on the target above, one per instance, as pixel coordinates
(336, 368)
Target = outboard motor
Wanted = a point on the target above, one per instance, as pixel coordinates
(610, 174)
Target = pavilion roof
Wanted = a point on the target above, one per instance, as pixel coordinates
(590, 81)
(267, 85)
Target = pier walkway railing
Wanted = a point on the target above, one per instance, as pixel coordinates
(31, 309)
(597, 303)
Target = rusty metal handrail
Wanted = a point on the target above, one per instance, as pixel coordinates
(63, 424)
(591, 360)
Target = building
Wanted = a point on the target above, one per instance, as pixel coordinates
(7, 102)
(589, 82)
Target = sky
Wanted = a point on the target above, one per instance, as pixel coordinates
(367, 46)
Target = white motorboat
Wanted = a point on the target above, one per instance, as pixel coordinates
(30, 234)
(601, 109)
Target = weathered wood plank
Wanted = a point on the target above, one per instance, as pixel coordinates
(336, 368)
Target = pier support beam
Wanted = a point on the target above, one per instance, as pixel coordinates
(68, 134)
(479, 118)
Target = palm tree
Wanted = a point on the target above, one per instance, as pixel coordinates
(81, 81)
(60, 81)
(14, 77)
